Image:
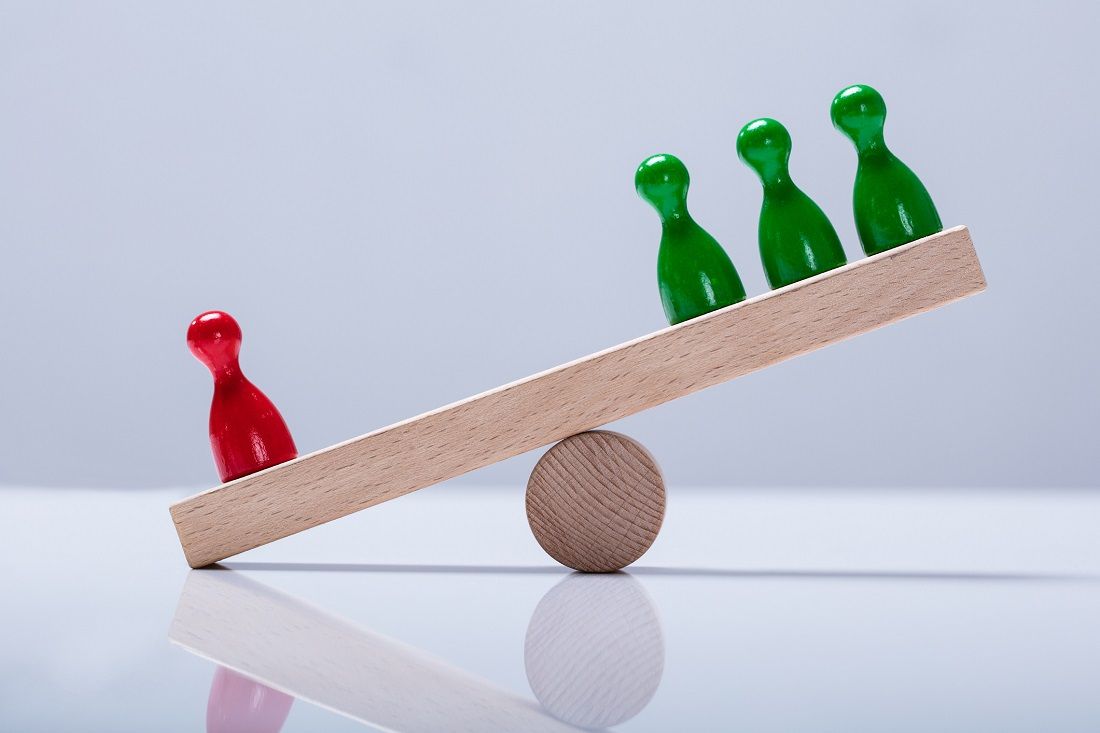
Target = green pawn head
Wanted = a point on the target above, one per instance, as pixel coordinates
(765, 146)
(860, 113)
(663, 181)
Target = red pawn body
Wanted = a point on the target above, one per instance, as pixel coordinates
(247, 433)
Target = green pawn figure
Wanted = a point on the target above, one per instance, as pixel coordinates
(694, 273)
(796, 239)
(892, 207)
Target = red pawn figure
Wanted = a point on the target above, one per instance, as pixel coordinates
(247, 433)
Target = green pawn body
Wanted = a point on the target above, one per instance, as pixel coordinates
(694, 273)
(797, 240)
(892, 207)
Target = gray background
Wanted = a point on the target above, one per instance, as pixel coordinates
(405, 204)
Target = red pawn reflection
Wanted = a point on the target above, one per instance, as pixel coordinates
(240, 705)
(247, 433)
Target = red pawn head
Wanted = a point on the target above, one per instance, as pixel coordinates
(247, 433)
(215, 340)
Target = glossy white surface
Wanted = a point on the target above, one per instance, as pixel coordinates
(778, 610)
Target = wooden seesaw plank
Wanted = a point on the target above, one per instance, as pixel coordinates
(578, 396)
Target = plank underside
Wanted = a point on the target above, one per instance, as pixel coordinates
(578, 396)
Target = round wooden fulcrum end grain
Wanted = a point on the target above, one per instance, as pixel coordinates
(595, 501)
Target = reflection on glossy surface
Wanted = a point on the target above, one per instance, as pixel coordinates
(594, 651)
(240, 705)
(594, 656)
(290, 646)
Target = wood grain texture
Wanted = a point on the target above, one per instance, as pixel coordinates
(578, 396)
(290, 646)
(595, 501)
